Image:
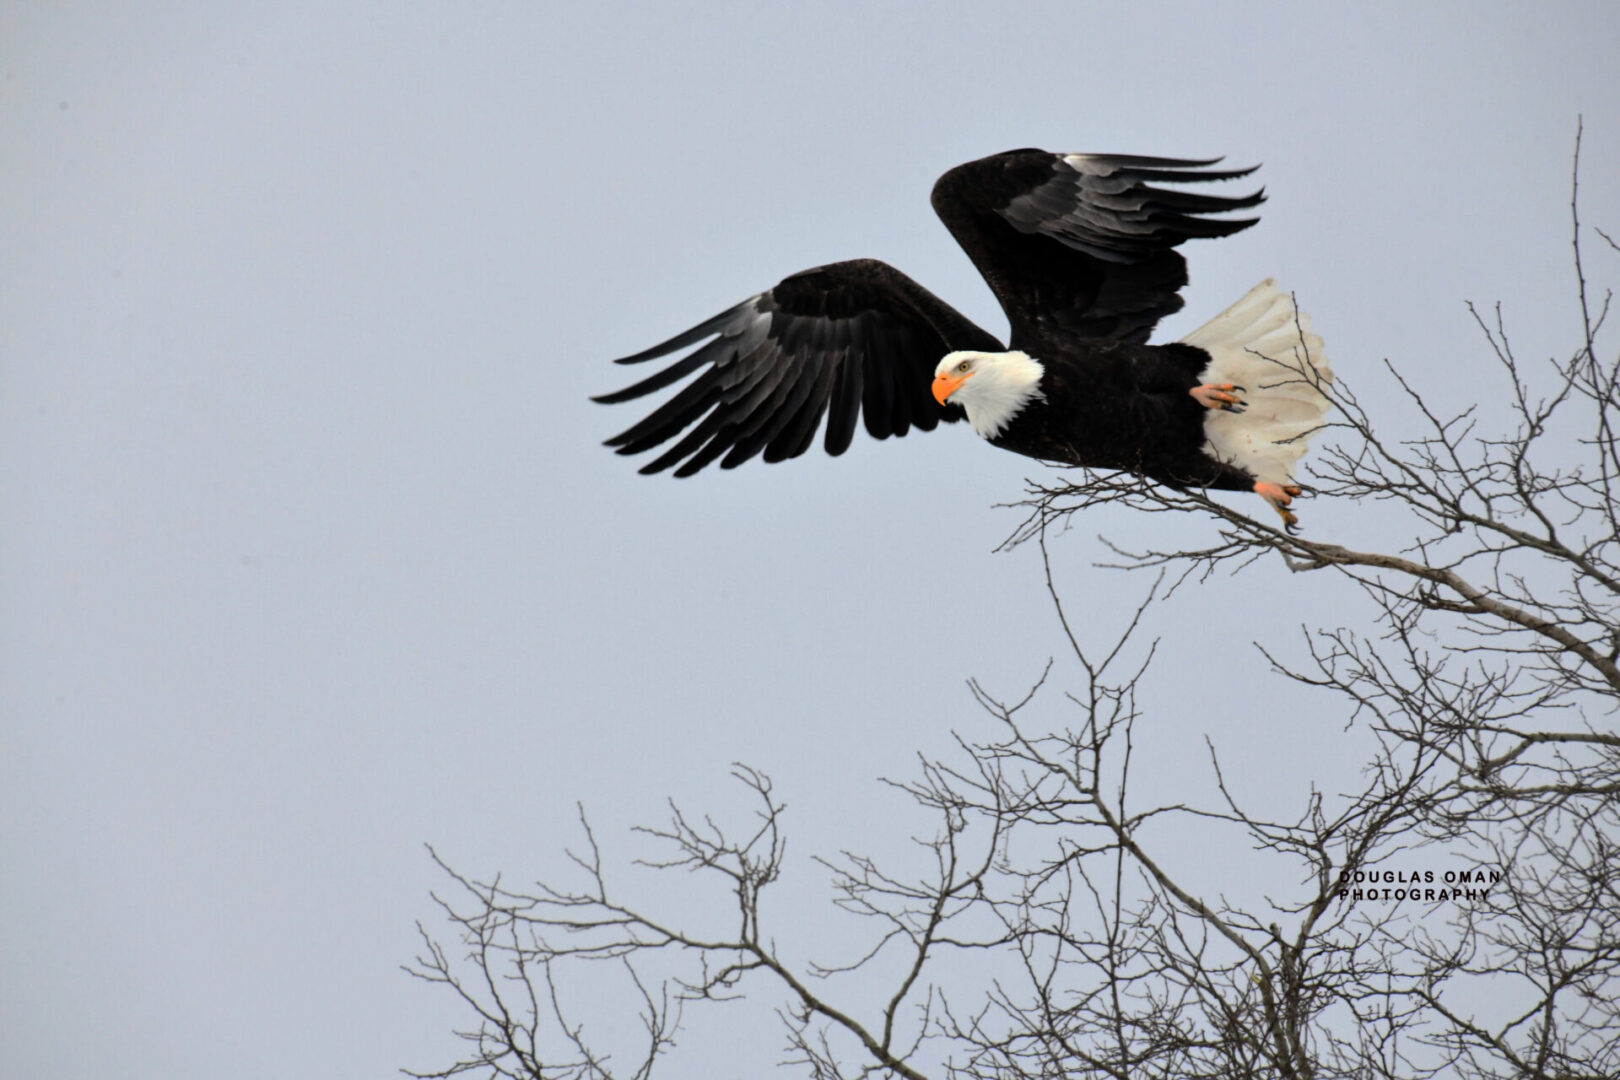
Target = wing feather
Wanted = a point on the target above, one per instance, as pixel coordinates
(845, 408)
(717, 324)
(877, 396)
(1082, 245)
(670, 417)
(801, 409)
(847, 341)
(758, 419)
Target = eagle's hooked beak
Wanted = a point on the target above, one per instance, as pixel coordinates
(946, 385)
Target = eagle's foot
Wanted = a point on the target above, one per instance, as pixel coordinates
(1219, 396)
(1279, 496)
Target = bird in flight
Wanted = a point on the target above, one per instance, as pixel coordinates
(1079, 249)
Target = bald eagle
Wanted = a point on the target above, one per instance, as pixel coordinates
(1079, 249)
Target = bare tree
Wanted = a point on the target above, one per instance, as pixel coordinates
(1457, 913)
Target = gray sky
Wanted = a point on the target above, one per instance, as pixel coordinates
(308, 550)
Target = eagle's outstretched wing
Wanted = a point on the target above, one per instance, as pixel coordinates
(1082, 245)
(848, 339)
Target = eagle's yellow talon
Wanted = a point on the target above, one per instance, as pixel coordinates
(1219, 396)
(1279, 496)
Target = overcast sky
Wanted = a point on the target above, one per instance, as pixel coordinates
(310, 555)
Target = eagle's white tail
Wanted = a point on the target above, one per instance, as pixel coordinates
(1262, 344)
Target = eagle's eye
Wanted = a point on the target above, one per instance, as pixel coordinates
(965, 366)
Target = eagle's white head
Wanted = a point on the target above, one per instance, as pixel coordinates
(992, 387)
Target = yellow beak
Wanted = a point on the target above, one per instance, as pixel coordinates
(946, 385)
